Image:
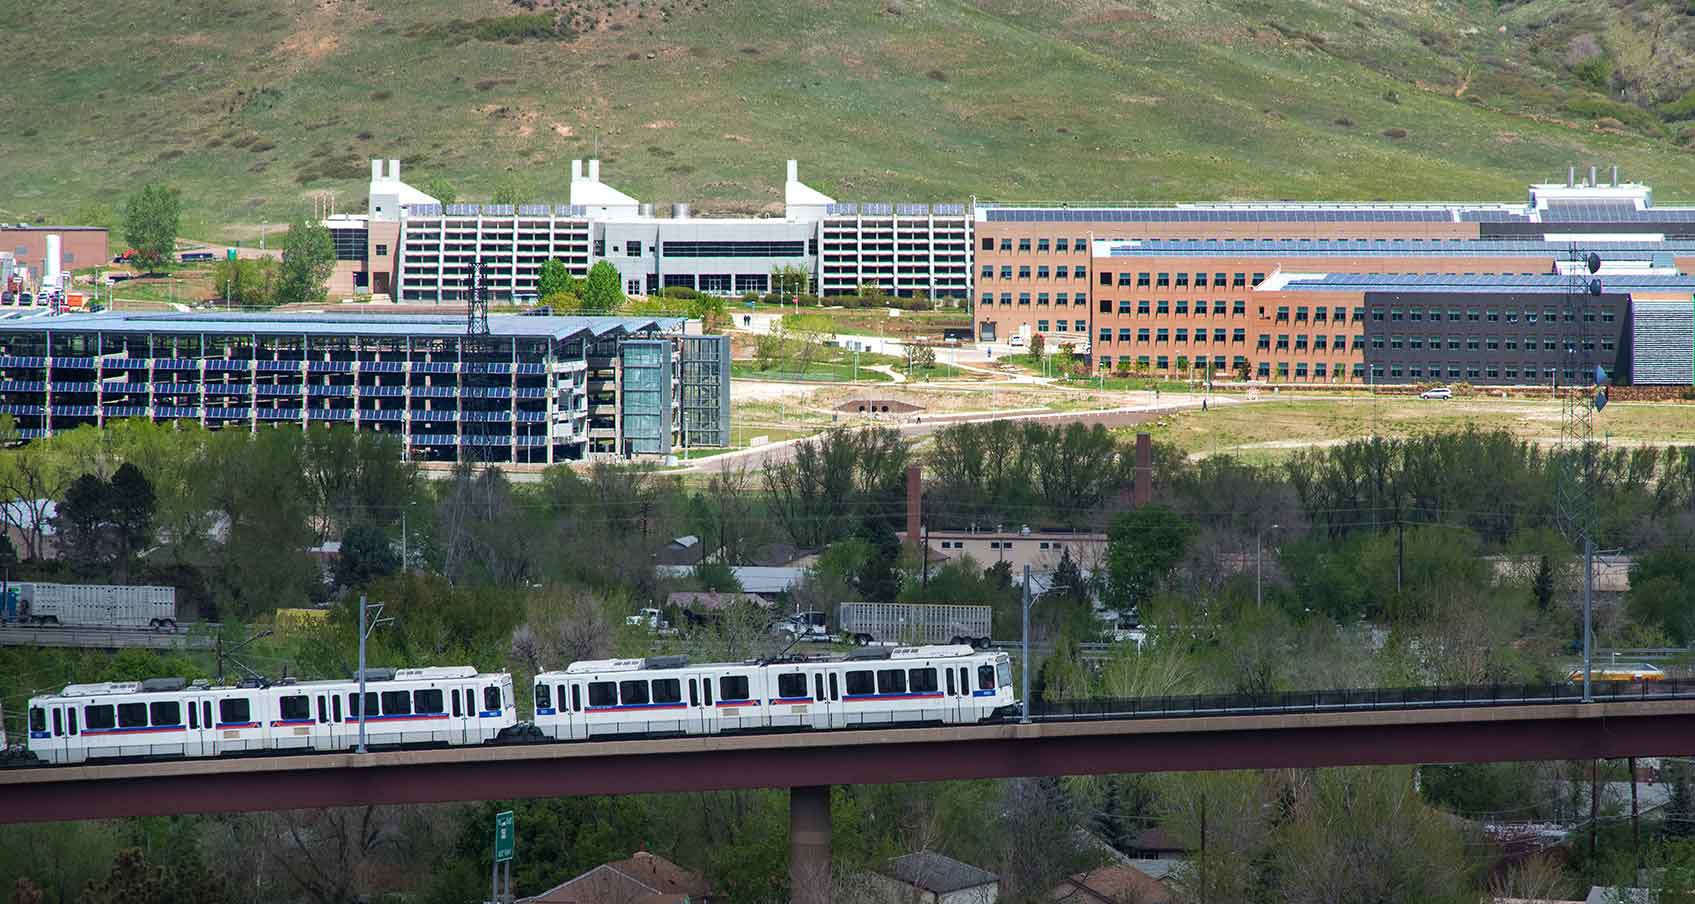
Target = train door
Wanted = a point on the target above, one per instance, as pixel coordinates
(46, 742)
(323, 733)
(193, 739)
(821, 708)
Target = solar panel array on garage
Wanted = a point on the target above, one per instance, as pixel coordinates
(1216, 215)
(1617, 250)
(1452, 282)
(1616, 213)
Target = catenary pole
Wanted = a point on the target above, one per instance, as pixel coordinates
(1026, 697)
(362, 673)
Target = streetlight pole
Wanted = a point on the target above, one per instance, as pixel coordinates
(1259, 548)
(1026, 696)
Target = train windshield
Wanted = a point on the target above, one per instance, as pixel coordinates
(1003, 671)
(37, 719)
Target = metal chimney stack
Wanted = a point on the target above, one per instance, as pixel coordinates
(1592, 182)
(1615, 175)
(1571, 175)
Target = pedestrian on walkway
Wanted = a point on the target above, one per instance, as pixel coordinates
(1203, 404)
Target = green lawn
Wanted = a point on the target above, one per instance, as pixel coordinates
(254, 109)
(824, 372)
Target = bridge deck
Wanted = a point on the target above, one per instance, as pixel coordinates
(780, 760)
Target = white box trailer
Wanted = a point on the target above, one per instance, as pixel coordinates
(97, 605)
(906, 623)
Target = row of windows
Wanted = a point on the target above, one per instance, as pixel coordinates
(731, 249)
(1060, 272)
(1060, 326)
(1319, 342)
(1487, 315)
(1319, 371)
(1061, 298)
(1163, 334)
(1319, 314)
(1040, 246)
(790, 687)
(1493, 370)
(1145, 308)
(1182, 280)
(1490, 343)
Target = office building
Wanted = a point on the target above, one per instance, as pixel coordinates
(532, 390)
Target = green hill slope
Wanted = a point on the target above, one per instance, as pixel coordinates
(253, 106)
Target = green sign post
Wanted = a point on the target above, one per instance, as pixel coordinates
(503, 836)
(230, 253)
(505, 842)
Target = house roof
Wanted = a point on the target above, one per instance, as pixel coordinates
(643, 878)
(752, 578)
(936, 873)
(1114, 884)
(691, 599)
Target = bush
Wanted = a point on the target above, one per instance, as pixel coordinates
(680, 292)
(1680, 109)
(1600, 108)
(1596, 71)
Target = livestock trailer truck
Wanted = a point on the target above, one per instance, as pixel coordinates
(91, 605)
(905, 623)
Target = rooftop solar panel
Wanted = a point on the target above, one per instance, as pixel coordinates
(1215, 215)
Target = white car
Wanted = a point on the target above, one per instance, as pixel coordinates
(1016, 342)
(1441, 392)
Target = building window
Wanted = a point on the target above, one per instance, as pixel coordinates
(1023, 244)
(988, 271)
(1106, 334)
(1041, 326)
(1006, 244)
(1142, 307)
(1041, 298)
(1106, 278)
(382, 251)
(1006, 272)
(1060, 245)
(1024, 272)
(988, 244)
(1042, 272)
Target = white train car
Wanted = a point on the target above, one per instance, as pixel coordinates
(169, 717)
(669, 696)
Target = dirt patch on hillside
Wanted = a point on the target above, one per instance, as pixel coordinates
(197, 39)
(660, 124)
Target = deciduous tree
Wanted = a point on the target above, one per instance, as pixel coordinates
(603, 291)
(307, 262)
(150, 223)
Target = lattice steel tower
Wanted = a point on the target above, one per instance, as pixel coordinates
(1579, 454)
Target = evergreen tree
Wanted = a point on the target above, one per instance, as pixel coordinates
(1543, 586)
(554, 279)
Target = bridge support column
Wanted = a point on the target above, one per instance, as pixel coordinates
(809, 844)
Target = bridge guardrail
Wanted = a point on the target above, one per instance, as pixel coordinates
(1096, 709)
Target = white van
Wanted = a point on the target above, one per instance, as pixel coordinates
(1440, 392)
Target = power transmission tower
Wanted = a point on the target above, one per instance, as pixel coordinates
(1579, 455)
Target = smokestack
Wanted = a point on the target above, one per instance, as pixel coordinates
(794, 171)
(594, 170)
(394, 170)
(679, 211)
(1615, 175)
(1592, 182)
(1144, 469)
(1571, 175)
(914, 504)
(576, 171)
(376, 170)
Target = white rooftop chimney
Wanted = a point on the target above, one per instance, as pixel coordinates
(594, 170)
(394, 170)
(794, 171)
(376, 170)
(576, 171)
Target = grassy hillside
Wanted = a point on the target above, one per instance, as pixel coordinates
(253, 106)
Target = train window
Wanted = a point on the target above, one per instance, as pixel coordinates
(732, 687)
(166, 712)
(952, 688)
(429, 701)
(132, 715)
(71, 716)
(98, 718)
(706, 690)
(576, 698)
(397, 703)
(193, 716)
(891, 681)
(667, 690)
(694, 692)
(323, 710)
(58, 723)
(560, 696)
(791, 687)
(603, 693)
(922, 681)
(457, 712)
(859, 683)
(370, 703)
(295, 708)
(38, 719)
(818, 687)
(335, 707)
(964, 681)
(833, 693)
(986, 677)
(206, 714)
(632, 693)
(491, 698)
(234, 711)
(544, 697)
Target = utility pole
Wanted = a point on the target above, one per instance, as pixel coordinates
(1400, 552)
(1026, 698)
(1259, 591)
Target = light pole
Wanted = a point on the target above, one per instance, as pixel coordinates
(1259, 548)
(365, 629)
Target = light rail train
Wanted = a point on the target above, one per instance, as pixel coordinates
(165, 718)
